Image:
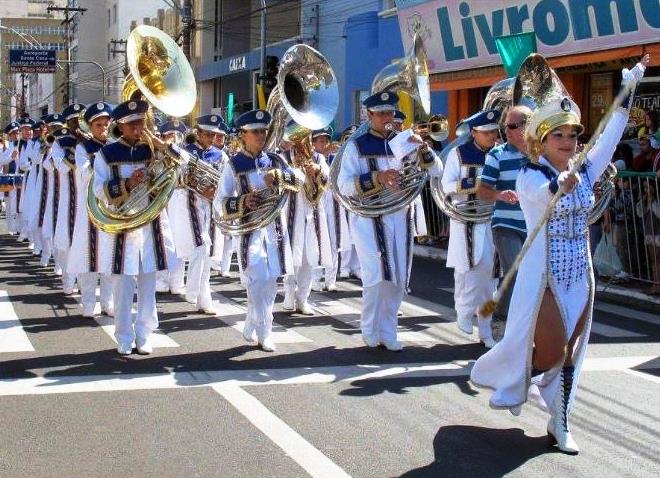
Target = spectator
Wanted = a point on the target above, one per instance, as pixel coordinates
(621, 215)
(650, 128)
(648, 209)
(647, 157)
(625, 153)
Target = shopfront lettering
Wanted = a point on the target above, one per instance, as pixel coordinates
(465, 32)
(237, 63)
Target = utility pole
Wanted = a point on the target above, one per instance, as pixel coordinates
(262, 69)
(115, 50)
(187, 21)
(23, 87)
(67, 21)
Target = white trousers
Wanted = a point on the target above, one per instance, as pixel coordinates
(173, 278)
(380, 305)
(261, 298)
(350, 262)
(473, 288)
(87, 285)
(198, 287)
(46, 251)
(68, 280)
(127, 327)
(302, 278)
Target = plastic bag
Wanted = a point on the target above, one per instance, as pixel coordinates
(606, 260)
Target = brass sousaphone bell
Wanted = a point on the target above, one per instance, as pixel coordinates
(159, 72)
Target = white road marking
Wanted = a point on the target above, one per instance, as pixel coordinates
(628, 313)
(293, 444)
(611, 331)
(645, 376)
(12, 335)
(303, 375)
(229, 309)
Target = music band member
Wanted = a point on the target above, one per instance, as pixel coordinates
(133, 256)
(547, 332)
(83, 259)
(471, 252)
(10, 162)
(264, 253)
(383, 243)
(193, 236)
(222, 246)
(308, 230)
(25, 135)
(34, 187)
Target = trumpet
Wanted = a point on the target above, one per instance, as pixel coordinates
(437, 128)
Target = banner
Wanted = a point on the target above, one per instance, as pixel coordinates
(460, 35)
(32, 61)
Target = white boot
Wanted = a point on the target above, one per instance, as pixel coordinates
(486, 333)
(558, 432)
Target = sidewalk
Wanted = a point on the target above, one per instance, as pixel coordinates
(605, 291)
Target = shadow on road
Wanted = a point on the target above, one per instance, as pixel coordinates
(464, 451)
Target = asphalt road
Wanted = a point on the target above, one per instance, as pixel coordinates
(208, 404)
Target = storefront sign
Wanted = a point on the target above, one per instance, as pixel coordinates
(32, 61)
(237, 63)
(460, 35)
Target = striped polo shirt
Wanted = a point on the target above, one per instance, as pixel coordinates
(500, 172)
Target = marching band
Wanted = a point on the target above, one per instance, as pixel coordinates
(107, 196)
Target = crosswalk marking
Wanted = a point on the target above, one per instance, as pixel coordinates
(229, 310)
(613, 332)
(628, 313)
(310, 458)
(12, 335)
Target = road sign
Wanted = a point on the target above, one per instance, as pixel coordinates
(32, 61)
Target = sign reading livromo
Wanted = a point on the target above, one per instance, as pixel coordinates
(32, 61)
(459, 34)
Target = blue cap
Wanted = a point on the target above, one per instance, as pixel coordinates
(61, 132)
(130, 111)
(26, 121)
(173, 126)
(38, 124)
(54, 120)
(327, 131)
(11, 127)
(97, 110)
(484, 120)
(255, 119)
(212, 123)
(72, 111)
(384, 101)
(399, 116)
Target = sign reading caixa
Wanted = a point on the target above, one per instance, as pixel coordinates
(32, 61)
(459, 34)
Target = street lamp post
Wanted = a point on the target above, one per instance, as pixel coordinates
(89, 62)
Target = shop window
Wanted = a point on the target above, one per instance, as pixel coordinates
(600, 97)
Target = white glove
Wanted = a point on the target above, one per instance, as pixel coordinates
(636, 74)
(567, 181)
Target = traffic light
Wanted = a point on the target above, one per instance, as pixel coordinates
(270, 74)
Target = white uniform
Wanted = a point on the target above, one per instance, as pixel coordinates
(48, 209)
(14, 166)
(36, 188)
(264, 254)
(308, 233)
(137, 254)
(384, 244)
(558, 259)
(83, 258)
(25, 149)
(471, 252)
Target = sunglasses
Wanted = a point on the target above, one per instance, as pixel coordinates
(515, 125)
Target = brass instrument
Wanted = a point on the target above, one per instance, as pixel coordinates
(436, 128)
(410, 75)
(306, 92)
(604, 190)
(160, 73)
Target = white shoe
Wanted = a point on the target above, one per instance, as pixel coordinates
(177, 291)
(485, 333)
(125, 349)
(305, 309)
(209, 310)
(464, 324)
(88, 312)
(144, 347)
(163, 289)
(332, 288)
(558, 431)
(248, 333)
(225, 274)
(289, 302)
(369, 341)
(393, 346)
(317, 287)
(108, 310)
(267, 345)
(69, 291)
(191, 300)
